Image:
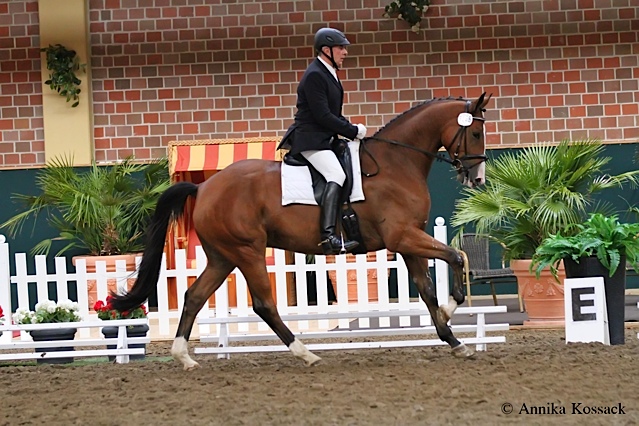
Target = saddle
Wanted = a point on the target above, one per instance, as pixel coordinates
(349, 221)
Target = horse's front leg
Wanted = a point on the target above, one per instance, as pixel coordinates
(415, 242)
(418, 269)
(416, 247)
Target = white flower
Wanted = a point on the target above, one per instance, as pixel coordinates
(68, 305)
(48, 311)
(22, 315)
(46, 306)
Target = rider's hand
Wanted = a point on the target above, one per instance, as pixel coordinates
(361, 131)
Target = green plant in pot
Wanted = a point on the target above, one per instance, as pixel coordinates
(531, 194)
(601, 246)
(100, 211)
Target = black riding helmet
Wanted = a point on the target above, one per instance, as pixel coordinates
(329, 37)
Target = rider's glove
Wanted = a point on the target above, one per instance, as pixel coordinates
(361, 131)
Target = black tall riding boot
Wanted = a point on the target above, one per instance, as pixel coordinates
(331, 243)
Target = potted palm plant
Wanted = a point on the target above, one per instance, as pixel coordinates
(601, 246)
(531, 194)
(101, 211)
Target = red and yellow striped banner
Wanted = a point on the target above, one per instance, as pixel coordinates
(216, 154)
(195, 161)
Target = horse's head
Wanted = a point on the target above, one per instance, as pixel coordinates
(455, 124)
(463, 138)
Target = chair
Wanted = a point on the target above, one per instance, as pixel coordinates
(476, 254)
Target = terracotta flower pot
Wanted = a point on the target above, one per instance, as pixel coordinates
(543, 297)
(110, 267)
(351, 276)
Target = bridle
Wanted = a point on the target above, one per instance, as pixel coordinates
(455, 161)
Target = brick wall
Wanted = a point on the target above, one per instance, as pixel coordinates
(21, 128)
(196, 69)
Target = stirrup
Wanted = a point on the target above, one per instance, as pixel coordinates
(342, 247)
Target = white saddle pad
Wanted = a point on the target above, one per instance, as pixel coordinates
(297, 184)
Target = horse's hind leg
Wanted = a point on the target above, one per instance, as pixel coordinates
(206, 284)
(418, 269)
(263, 304)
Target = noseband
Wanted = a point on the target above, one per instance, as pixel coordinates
(455, 161)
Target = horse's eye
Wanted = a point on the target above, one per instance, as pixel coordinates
(477, 135)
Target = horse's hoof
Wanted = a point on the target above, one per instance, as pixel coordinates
(463, 351)
(312, 359)
(300, 351)
(191, 366)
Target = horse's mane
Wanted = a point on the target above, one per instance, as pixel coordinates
(415, 107)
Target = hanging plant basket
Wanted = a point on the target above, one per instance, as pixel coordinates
(410, 11)
(64, 64)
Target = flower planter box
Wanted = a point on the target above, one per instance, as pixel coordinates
(131, 331)
(54, 334)
(90, 262)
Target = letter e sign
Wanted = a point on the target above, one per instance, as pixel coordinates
(585, 308)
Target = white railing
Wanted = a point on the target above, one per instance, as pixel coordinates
(120, 345)
(290, 302)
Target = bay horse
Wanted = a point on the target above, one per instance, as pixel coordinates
(238, 213)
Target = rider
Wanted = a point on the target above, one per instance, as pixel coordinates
(318, 120)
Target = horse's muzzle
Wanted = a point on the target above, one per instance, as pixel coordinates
(472, 177)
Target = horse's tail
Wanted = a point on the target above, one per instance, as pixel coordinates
(170, 205)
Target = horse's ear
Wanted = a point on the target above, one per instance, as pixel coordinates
(482, 101)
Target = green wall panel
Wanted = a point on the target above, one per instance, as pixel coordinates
(444, 191)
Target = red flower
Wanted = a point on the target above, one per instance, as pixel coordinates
(107, 312)
(1, 313)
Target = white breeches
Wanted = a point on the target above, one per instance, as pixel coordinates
(327, 164)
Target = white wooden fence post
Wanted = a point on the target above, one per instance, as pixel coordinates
(441, 267)
(5, 285)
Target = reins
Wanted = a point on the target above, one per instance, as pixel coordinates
(455, 161)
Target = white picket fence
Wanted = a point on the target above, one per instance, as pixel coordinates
(223, 323)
